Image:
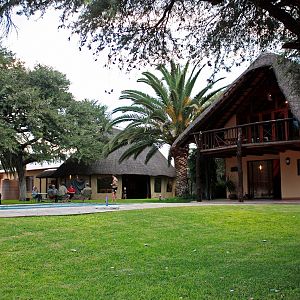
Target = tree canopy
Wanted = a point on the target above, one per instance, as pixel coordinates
(40, 119)
(228, 31)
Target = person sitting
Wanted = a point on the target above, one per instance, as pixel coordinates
(62, 193)
(52, 192)
(36, 195)
(71, 191)
(87, 192)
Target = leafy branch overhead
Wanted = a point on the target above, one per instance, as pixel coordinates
(143, 31)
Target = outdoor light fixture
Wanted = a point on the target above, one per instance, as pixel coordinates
(260, 167)
(270, 97)
(287, 161)
(70, 177)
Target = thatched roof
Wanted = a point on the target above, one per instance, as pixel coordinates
(157, 166)
(285, 72)
(46, 173)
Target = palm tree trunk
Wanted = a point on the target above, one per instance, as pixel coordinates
(180, 155)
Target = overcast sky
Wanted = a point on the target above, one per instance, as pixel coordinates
(39, 41)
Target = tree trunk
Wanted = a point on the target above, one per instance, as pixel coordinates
(180, 155)
(21, 171)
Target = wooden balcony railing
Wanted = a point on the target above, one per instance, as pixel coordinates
(252, 133)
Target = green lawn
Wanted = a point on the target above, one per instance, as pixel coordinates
(209, 252)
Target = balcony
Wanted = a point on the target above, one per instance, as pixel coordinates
(266, 133)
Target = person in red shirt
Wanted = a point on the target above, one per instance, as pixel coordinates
(71, 191)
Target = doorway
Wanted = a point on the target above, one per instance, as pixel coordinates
(137, 186)
(264, 180)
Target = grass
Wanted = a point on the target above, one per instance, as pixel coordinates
(209, 252)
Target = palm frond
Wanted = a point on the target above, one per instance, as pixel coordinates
(181, 81)
(140, 98)
(134, 148)
(168, 76)
(156, 84)
(131, 108)
(191, 82)
(151, 153)
(208, 87)
(125, 118)
(212, 94)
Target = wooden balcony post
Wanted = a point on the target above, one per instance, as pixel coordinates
(198, 176)
(240, 190)
(198, 140)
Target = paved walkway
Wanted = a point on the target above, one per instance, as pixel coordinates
(7, 211)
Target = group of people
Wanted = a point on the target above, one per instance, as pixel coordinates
(65, 194)
(62, 193)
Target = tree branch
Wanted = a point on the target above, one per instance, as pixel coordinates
(292, 45)
(276, 12)
(28, 143)
(166, 11)
(5, 12)
(289, 3)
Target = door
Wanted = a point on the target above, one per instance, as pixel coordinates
(264, 179)
(137, 186)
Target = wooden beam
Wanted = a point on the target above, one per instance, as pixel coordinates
(199, 188)
(240, 190)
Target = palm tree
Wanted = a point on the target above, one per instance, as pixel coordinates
(154, 121)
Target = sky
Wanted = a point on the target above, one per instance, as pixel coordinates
(38, 40)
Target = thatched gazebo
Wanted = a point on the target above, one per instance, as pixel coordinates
(141, 180)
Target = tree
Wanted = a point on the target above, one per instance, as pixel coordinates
(41, 121)
(153, 121)
(134, 31)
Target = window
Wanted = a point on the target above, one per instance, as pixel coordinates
(169, 185)
(157, 185)
(103, 184)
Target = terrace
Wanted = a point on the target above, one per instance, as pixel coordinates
(272, 135)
